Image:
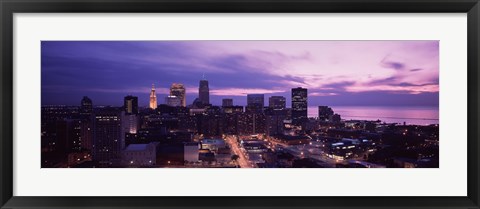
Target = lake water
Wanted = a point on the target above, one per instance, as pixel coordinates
(418, 115)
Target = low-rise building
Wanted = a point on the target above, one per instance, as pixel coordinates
(140, 155)
(191, 151)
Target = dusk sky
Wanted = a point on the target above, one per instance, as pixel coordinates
(336, 73)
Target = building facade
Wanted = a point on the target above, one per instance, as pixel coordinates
(173, 101)
(277, 102)
(178, 90)
(299, 105)
(108, 136)
(153, 98)
(130, 105)
(204, 92)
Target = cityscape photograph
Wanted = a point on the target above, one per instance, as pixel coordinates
(240, 104)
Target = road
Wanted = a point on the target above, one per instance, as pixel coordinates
(242, 160)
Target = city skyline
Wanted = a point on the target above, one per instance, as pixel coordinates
(405, 77)
(250, 108)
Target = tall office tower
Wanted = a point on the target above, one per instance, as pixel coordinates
(86, 106)
(130, 123)
(130, 103)
(178, 90)
(325, 113)
(277, 102)
(86, 124)
(108, 136)
(227, 102)
(68, 135)
(173, 101)
(255, 103)
(299, 105)
(204, 92)
(153, 98)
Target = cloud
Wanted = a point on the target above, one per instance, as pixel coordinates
(393, 65)
(241, 67)
(242, 91)
(322, 94)
(395, 88)
(338, 85)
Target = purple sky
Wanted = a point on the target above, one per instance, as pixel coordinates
(373, 73)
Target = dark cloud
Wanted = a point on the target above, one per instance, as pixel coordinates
(393, 65)
(416, 69)
(384, 81)
(411, 84)
(339, 85)
(106, 71)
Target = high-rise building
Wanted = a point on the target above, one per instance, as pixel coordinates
(108, 136)
(68, 135)
(153, 98)
(275, 124)
(86, 124)
(277, 102)
(173, 101)
(251, 124)
(299, 105)
(204, 92)
(178, 90)
(255, 100)
(130, 123)
(130, 105)
(86, 106)
(227, 102)
(255, 103)
(232, 109)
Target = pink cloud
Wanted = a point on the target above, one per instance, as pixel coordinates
(242, 91)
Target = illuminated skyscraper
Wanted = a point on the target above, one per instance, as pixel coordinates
(204, 92)
(178, 90)
(299, 105)
(130, 103)
(277, 102)
(153, 98)
(255, 103)
(173, 101)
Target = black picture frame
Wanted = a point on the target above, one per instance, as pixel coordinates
(10, 7)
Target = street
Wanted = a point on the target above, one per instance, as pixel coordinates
(242, 160)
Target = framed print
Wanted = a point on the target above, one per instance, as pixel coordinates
(264, 104)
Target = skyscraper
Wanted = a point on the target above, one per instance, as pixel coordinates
(130, 105)
(86, 106)
(277, 102)
(153, 98)
(255, 103)
(255, 100)
(173, 101)
(130, 121)
(178, 90)
(299, 105)
(204, 92)
(227, 102)
(86, 124)
(108, 135)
